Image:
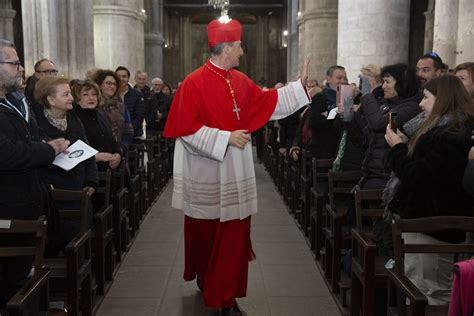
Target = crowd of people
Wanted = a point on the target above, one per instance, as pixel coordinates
(424, 160)
(41, 118)
(409, 130)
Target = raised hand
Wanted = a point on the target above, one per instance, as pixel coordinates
(304, 73)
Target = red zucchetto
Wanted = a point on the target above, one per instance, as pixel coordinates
(218, 32)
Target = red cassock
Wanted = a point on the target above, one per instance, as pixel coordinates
(216, 252)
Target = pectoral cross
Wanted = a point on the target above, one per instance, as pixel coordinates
(236, 110)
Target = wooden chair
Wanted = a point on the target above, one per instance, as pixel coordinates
(320, 168)
(71, 275)
(367, 269)
(340, 185)
(30, 239)
(135, 163)
(400, 288)
(103, 241)
(305, 189)
(120, 211)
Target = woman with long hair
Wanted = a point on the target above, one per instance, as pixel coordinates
(430, 167)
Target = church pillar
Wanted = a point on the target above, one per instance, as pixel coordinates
(292, 42)
(375, 31)
(7, 14)
(119, 34)
(319, 19)
(61, 31)
(154, 40)
(465, 40)
(429, 26)
(446, 30)
(262, 49)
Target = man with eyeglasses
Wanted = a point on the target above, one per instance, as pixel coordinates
(429, 66)
(23, 195)
(43, 68)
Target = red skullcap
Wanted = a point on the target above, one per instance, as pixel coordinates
(218, 32)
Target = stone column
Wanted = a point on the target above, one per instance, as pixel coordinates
(446, 30)
(319, 19)
(7, 14)
(372, 31)
(465, 40)
(61, 31)
(292, 41)
(154, 40)
(429, 26)
(119, 34)
(261, 77)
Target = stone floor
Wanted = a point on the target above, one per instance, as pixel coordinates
(283, 281)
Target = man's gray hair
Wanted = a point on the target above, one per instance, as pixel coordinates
(218, 49)
(5, 43)
(155, 80)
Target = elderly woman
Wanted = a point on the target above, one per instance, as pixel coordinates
(430, 168)
(56, 120)
(87, 97)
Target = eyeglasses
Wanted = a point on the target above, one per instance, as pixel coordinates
(16, 63)
(110, 83)
(51, 72)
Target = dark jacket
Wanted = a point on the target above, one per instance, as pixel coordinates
(23, 194)
(146, 92)
(85, 173)
(376, 116)
(468, 180)
(431, 177)
(324, 133)
(133, 100)
(98, 133)
(288, 128)
(157, 102)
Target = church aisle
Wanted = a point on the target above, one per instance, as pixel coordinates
(283, 281)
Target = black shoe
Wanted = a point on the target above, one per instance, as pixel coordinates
(231, 311)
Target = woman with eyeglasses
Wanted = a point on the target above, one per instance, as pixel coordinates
(87, 97)
(430, 167)
(56, 120)
(113, 109)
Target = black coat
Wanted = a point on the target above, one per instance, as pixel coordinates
(23, 194)
(98, 133)
(157, 102)
(135, 104)
(288, 128)
(376, 116)
(431, 177)
(85, 173)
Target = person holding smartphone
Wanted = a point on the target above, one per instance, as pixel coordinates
(430, 168)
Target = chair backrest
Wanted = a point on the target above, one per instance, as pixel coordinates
(368, 204)
(305, 164)
(341, 183)
(320, 168)
(26, 229)
(430, 225)
(81, 213)
(104, 187)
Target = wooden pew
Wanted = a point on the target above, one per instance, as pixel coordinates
(340, 185)
(33, 297)
(120, 212)
(71, 275)
(319, 197)
(305, 189)
(400, 288)
(368, 268)
(103, 243)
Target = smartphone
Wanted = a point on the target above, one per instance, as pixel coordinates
(342, 92)
(392, 120)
